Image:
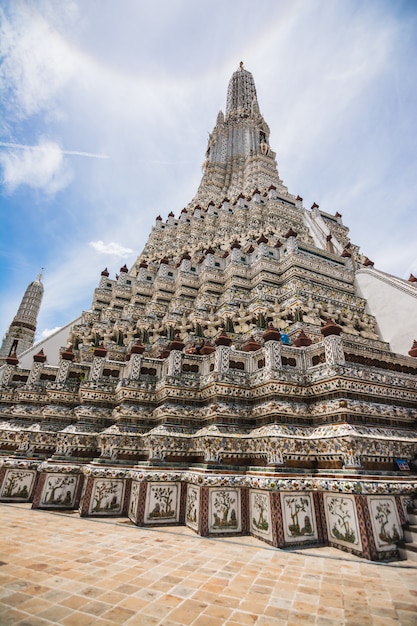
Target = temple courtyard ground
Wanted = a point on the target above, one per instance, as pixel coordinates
(59, 569)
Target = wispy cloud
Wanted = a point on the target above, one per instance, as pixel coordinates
(40, 167)
(112, 248)
(20, 146)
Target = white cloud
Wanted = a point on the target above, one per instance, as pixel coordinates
(47, 332)
(111, 248)
(40, 167)
(36, 59)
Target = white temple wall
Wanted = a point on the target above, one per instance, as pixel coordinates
(394, 305)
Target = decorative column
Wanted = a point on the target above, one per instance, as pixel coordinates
(272, 192)
(263, 246)
(333, 345)
(135, 360)
(175, 363)
(163, 268)
(185, 265)
(272, 349)
(235, 247)
(222, 357)
(221, 360)
(123, 275)
(209, 260)
(64, 365)
(292, 243)
(104, 279)
(96, 369)
(38, 361)
(8, 371)
(143, 271)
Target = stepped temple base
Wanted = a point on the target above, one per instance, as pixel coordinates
(359, 512)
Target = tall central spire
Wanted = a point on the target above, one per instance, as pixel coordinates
(241, 94)
(239, 159)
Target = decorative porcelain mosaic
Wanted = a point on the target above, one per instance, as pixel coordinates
(342, 521)
(260, 514)
(299, 519)
(59, 491)
(107, 497)
(224, 511)
(17, 485)
(176, 366)
(162, 503)
(192, 507)
(385, 522)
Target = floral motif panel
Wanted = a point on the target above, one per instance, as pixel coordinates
(385, 522)
(134, 500)
(162, 503)
(192, 506)
(17, 485)
(59, 491)
(260, 514)
(107, 497)
(342, 521)
(224, 511)
(298, 517)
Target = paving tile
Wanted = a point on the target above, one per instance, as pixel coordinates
(170, 577)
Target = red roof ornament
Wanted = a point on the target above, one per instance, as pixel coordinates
(124, 269)
(176, 344)
(207, 348)
(271, 334)
(302, 341)
(68, 354)
(330, 328)
(251, 345)
(137, 348)
(100, 351)
(413, 351)
(235, 245)
(291, 233)
(40, 357)
(262, 239)
(314, 205)
(412, 279)
(105, 272)
(223, 339)
(298, 199)
(368, 263)
(12, 359)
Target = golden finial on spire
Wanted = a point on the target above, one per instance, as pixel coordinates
(242, 67)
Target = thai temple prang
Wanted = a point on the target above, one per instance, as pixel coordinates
(21, 333)
(236, 379)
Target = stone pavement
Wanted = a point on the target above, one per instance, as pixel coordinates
(59, 569)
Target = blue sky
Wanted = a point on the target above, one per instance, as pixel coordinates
(105, 110)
